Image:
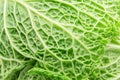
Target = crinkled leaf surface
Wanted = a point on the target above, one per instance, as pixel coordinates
(59, 40)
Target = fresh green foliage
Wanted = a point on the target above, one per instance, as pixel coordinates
(59, 40)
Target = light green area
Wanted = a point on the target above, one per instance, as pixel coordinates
(59, 40)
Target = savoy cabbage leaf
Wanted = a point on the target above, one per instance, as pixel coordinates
(59, 40)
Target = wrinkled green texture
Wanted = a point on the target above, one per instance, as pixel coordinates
(59, 40)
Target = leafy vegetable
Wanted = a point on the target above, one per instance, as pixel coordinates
(59, 40)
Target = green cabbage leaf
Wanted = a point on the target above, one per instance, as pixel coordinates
(59, 40)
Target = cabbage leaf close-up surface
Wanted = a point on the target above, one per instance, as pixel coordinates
(59, 39)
